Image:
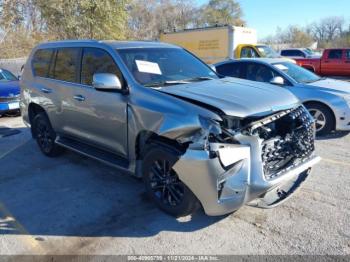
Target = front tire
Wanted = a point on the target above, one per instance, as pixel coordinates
(45, 136)
(163, 185)
(323, 116)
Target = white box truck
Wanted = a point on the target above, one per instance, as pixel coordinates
(214, 44)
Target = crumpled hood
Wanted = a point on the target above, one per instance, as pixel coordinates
(332, 85)
(236, 97)
(9, 88)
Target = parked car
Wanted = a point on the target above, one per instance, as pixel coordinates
(327, 100)
(156, 111)
(9, 93)
(299, 53)
(334, 62)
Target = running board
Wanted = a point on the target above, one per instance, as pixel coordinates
(95, 153)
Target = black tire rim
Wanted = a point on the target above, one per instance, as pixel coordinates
(165, 184)
(44, 137)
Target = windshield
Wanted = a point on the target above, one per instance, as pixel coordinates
(7, 75)
(165, 66)
(267, 51)
(299, 74)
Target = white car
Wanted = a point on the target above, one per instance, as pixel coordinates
(327, 100)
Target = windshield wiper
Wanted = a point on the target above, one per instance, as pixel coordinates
(199, 78)
(167, 83)
(179, 82)
(311, 81)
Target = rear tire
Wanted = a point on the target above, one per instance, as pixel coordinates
(323, 116)
(45, 136)
(163, 185)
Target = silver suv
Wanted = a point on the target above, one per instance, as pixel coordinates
(156, 111)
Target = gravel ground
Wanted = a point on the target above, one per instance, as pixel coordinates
(75, 205)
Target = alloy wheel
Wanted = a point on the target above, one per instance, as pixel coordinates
(165, 184)
(320, 118)
(44, 137)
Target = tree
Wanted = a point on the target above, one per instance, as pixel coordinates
(142, 21)
(147, 18)
(24, 23)
(293, 36)
(70, 19)
(327, 29)
(20, 27)
(297, 37)
(222, 12)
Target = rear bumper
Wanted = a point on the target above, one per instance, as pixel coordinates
(235, 177)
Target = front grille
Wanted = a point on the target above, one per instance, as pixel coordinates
(9, 99)
(287, 141)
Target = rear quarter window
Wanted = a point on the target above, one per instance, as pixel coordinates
(41, 62)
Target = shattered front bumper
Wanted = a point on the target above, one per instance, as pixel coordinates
(234, 176)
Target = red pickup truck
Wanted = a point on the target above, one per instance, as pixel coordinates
(334, 62)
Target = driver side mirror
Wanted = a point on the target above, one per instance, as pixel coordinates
(277, 80)
(106, 82)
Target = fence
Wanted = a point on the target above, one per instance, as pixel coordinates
(14, 65)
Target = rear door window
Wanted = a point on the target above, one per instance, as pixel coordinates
(66, 64)
(335, 54)
(96, 60)
(41, 62)
(259, 72)
(347, 55)
(229, 69)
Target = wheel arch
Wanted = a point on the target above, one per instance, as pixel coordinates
(33, 110)
(145, 138)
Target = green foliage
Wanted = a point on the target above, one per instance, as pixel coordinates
(297, 37)
(24, 23)
(223, 12)
(71, 19)
(147, 18)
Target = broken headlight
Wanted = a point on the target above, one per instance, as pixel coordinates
(210, 126)
(232, 123)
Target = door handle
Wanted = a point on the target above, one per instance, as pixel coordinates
(46, 90)
(326, 61)
(347, 62)
(79, 98)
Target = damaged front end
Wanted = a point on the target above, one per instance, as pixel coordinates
(260, 161)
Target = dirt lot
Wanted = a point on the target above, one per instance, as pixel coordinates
(74, 205)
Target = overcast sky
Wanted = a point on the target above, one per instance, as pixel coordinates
(267, 15)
